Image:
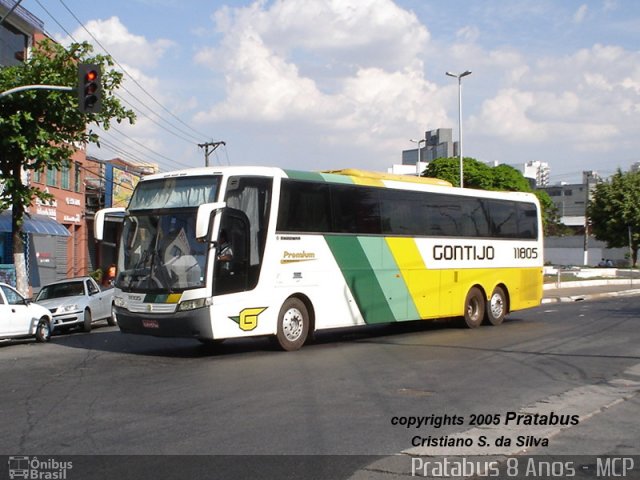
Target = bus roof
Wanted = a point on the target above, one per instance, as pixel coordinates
(365, 174)
(348, 176)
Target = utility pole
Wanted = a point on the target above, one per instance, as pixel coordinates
(209, 147)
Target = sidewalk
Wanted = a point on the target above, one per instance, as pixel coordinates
(589, 290)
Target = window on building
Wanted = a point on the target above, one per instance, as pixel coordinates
(52, 175)
(65, 175)
(13, 46)
(37, 176)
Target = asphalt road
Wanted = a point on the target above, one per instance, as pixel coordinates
(108, 393)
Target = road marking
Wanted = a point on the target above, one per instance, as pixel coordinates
(585, 401)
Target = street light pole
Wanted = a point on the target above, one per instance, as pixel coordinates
(419, 153)
(459, 77)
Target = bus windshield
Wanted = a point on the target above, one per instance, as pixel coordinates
(159, 252)
(175, 192)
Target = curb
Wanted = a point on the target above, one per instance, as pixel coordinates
(592, 296)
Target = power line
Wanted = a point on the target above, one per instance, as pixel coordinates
(140, 152)
(130, 76)
(150, 118)
(131, 139)
(136, 108)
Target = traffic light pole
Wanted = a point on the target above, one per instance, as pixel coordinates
(35, 87)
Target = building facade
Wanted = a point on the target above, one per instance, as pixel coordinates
(571, 200)
(437, 144)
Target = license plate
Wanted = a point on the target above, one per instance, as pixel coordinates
(150, 324)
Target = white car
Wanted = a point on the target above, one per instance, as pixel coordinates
(21, 318)
(77, 302)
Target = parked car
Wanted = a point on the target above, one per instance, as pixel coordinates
(21, 318)
(77, 302)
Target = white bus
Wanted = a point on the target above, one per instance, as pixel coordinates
(314, 251)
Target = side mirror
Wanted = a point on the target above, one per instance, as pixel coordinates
(203, 220)
(99, 219)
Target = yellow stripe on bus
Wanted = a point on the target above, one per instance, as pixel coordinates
(421, 283)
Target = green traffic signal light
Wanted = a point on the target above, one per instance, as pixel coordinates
(89, 88)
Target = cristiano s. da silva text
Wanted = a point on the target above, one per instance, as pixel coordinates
(506, 419)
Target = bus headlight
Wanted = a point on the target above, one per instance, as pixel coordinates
(193, 304)
(118, 301)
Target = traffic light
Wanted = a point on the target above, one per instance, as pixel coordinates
(89, 88)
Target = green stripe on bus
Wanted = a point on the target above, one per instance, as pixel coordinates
(360, 278)
(300, 175)
(390, 278)
(334, 178)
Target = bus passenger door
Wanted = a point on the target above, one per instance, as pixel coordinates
(232, 275)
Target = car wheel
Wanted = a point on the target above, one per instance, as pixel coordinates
(293, 325)
(474, 308)
(112, 320)
(86, 325)
(43, 331)
(496, 307)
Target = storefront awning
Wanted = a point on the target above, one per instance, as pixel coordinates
(36, 224)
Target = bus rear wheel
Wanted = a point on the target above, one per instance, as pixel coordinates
(474, 306)
(293, 325)
(496, 307)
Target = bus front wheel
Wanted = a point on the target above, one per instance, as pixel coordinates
(293, 325)
(474, 306)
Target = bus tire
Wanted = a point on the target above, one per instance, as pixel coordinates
(474, 306)
(293, 325)
(496, 307)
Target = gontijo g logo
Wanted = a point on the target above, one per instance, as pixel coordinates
(248, 318)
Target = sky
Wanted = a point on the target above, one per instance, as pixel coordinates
(328, 84)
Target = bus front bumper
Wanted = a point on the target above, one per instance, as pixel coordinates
(190, 324)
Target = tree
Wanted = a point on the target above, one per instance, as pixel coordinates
(502, 177)
(41, 128)
(614, 211)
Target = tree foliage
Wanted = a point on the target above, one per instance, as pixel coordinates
(614, 211)
(43, 128)
(502, 178)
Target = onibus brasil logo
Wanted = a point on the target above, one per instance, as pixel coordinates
(38, 469)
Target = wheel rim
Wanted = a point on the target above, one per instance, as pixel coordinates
(473, 309)
(496, 305)
(292, 324)
(44, 330)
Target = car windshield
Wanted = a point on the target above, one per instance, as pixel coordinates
(60, 290)
(159, 252)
